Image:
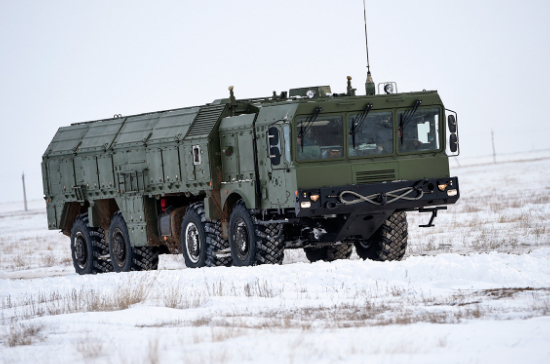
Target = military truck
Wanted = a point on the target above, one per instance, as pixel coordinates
(238, 181)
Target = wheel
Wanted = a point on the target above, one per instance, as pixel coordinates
(145, 258)
(201, 239)
(253, 243)
(316, 254)
(329, 253)
(215, 242)
(88, 248)
(389, 242)
(342, 251)
(124, 257)
(271, 244)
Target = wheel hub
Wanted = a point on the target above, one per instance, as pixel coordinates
(192, 242)
(119, 248)
(241, 239)
(81, 251)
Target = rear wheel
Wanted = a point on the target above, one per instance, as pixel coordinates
(389, 242)
(124, 257)
(215, 243)
(202, 239)
(88, 248)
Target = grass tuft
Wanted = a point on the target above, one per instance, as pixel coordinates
(23, 334)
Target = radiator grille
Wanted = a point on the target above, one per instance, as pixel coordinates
(375, 176)
(205, 120)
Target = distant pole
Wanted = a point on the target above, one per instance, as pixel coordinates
(493, 141)
(24, 192)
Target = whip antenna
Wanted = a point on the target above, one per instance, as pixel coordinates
(366, 39)
(369, 85)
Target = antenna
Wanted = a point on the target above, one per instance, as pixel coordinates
(369, 85)
(366, 39)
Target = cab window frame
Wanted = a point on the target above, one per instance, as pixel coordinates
(440, 131)
(394, 127)
(296, 130)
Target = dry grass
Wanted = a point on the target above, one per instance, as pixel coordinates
(173, 296)
(215, 288)
(130, 293)
(90, 348)
(19, 261)
(50, 260)
(28, 252)
(219, 334)
(126, 294)
(344, 316)
(259, 289)
(153, 354)
(176, 297)
(168, 323)
(23, 334)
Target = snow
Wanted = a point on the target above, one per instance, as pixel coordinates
(473, 289)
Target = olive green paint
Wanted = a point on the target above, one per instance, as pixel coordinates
(219, 152)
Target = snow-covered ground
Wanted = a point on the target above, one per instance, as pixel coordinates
(473, 289)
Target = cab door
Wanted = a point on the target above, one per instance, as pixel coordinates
(277, 146)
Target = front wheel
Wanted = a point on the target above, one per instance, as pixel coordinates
(251, 242)
(329, 253)
(242, 238)
(389, 242)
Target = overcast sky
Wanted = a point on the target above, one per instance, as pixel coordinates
(68, 61)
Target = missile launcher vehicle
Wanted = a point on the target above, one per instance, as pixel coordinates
(238, 181)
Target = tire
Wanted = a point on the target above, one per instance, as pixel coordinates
(271, 247)
(316, 254)
(342, 251)
(214, 243)
(253, 243)
(329, 253)
(88, 248)
(124, 257)
(201, 239)
(389, 242)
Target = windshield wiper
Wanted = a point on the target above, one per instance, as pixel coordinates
(406, 117)
(361, 119)
(309, 122)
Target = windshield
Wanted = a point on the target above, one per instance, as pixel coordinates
(320, 139)
(372, 136)
(420, 132)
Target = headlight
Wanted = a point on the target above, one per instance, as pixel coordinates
(310, 94)
(442, 187)
(305, 204)
(314, 198)
(452, 192)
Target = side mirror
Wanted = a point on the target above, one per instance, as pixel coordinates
(451, 121)
(453, 142)
(275, 155)
(273, 136)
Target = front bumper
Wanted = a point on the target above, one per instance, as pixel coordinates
(381, 197)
